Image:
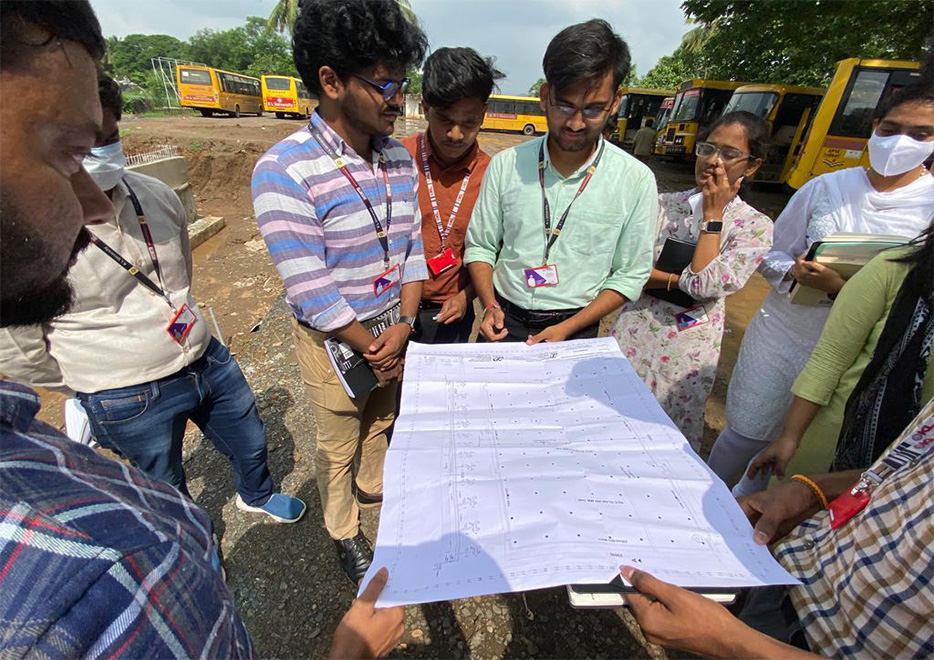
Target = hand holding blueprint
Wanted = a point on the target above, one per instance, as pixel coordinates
(517, 467)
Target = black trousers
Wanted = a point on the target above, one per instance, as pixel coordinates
(429, 331)
(520, 322)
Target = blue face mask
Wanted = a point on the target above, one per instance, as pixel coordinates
(106, 165)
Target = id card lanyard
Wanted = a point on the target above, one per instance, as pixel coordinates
(551, 236)
(381, 233)
(909, 451)
(150, 247)
(443, 231)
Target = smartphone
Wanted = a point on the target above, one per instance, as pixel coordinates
(584, 596)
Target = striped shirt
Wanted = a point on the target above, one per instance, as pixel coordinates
(320, 234)
(867, 588)
(96, 558)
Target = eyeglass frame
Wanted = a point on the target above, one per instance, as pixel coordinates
(719, 150)
(383, 89)
(564, 110)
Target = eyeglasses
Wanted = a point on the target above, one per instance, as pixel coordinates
(388, 90)
(588, 114)
(727, 154)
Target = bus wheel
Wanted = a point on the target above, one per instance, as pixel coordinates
(280, 115)
(528, 129)
(236, 112)
(207, 113)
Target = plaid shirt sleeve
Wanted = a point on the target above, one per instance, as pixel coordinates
(97, 559)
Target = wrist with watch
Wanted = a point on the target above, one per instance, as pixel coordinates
(712, 226)
(409, 321)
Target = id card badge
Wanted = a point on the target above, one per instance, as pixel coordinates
(182, 323)
(847, 505)
(444, 261)
(690, 318)
(546, 275)
(384, 282)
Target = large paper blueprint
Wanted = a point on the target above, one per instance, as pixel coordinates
(514, 467)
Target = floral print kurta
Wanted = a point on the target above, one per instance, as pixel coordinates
(679, 366)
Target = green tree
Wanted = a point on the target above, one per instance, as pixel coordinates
(536, 86)
(671, 70)
(798, 42)
(129, 57)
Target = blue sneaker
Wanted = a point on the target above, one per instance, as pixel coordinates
(281, 508)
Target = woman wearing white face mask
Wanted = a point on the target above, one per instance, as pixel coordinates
(896, 196)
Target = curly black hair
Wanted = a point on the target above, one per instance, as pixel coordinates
(452, 74)
(70, 20)
(351, 36)
(584, 53)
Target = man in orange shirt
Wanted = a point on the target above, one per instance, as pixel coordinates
(456, 84)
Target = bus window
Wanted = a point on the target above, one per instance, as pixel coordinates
(714, 100)
(623, 106)
(195, 77)
(854, 119)
(758, 103)
(686, 110)
(278, 84)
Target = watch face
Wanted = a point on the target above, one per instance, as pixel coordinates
(713, 226)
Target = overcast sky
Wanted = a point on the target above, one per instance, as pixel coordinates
(516, 32)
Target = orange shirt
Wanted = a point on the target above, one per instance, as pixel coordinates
(447, 183)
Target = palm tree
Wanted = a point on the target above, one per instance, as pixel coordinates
(285, 13)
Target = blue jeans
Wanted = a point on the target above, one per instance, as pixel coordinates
(146, 422)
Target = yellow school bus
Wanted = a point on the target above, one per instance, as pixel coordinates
(661, 123)
(635, 106)
(697, 104)
(842, 124)
(211, 90)
(515, 113)
(285, 95)
(789, 109)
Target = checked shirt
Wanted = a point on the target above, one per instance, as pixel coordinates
(96, 558)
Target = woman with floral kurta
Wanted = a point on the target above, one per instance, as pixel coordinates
(675, 348)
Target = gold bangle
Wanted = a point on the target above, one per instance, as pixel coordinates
(670, 275)
(807, 481)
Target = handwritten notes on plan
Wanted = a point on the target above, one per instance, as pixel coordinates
(517, 467)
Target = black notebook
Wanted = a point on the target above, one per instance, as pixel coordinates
(675, 257)
(351, 368)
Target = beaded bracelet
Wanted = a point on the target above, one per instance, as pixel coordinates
(807, 481)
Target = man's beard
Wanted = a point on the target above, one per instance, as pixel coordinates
(22, 252)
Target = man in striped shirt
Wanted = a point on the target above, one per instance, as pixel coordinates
(337, 205)
(97, 559)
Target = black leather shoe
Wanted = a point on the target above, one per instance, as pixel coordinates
(366, 500)
(356, 555)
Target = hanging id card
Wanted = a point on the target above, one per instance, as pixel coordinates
(384, 282)
(541, 276)
(690, 318)
(444, 261)
(182, 323)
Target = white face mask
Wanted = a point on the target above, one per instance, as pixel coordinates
(106, 165)
(897, 154)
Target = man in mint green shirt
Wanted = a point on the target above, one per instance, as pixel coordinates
(563, 230)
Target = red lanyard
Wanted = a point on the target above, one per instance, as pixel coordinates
(381, 234)
(552, 236)
(443, 231)
(147, 234)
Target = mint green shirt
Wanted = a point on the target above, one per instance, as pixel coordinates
(606, 242)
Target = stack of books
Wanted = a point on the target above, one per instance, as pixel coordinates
(846, 254)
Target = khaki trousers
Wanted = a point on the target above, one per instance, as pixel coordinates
(351, 434)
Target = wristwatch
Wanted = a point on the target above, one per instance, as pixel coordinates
(712, 226)
(410, 320)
